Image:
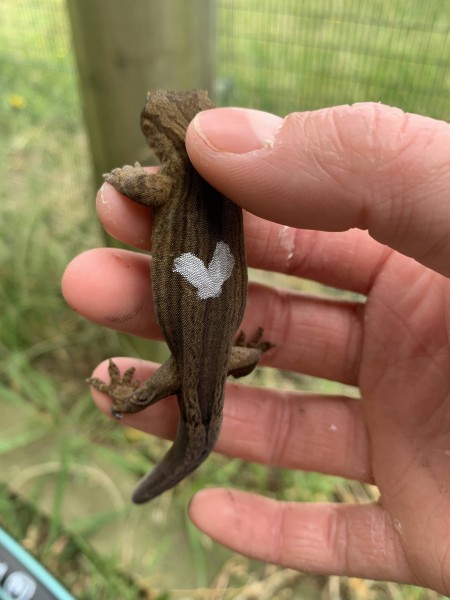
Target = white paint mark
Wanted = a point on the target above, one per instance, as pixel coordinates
(207, 280)
(333, 427)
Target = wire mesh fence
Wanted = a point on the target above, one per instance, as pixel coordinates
(284, 55)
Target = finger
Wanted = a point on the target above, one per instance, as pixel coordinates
(367, 165)
(112, 287)
(352, 540)
(315, 336)
(297, 431)
(347, 260)
(124, 219)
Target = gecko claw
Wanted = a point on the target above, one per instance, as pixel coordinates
(255, 342)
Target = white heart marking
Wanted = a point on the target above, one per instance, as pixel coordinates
(208, 281)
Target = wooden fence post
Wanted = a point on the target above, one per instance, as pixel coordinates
(124, 49)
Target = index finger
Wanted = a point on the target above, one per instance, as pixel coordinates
(345, 260)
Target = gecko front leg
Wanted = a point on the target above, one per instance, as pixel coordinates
(149, 189)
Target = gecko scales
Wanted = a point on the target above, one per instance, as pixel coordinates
(199, 284)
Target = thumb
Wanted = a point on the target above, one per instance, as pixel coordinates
(367, 165)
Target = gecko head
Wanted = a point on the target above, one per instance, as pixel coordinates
(166, 116)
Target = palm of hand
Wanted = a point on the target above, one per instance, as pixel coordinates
(405, 383)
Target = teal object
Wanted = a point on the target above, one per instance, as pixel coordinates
(43, 577)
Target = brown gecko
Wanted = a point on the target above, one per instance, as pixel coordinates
(199, 281)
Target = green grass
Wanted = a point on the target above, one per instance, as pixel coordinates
(71, 468)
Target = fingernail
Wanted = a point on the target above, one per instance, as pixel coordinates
(237, 130)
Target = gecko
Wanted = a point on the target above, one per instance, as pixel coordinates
(199, 286)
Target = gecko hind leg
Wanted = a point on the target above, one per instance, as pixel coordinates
(130, 396)
(245, 355)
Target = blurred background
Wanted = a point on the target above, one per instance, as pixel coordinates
(68, 71)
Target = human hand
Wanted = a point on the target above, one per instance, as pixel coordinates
(368, 185)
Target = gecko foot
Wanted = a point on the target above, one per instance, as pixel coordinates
(127, 179)
(118, 389)
(245, 355)
(144, 187)
(256, 342)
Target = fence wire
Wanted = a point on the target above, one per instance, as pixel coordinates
(284, 55)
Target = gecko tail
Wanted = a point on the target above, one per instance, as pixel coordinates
(188, 451)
